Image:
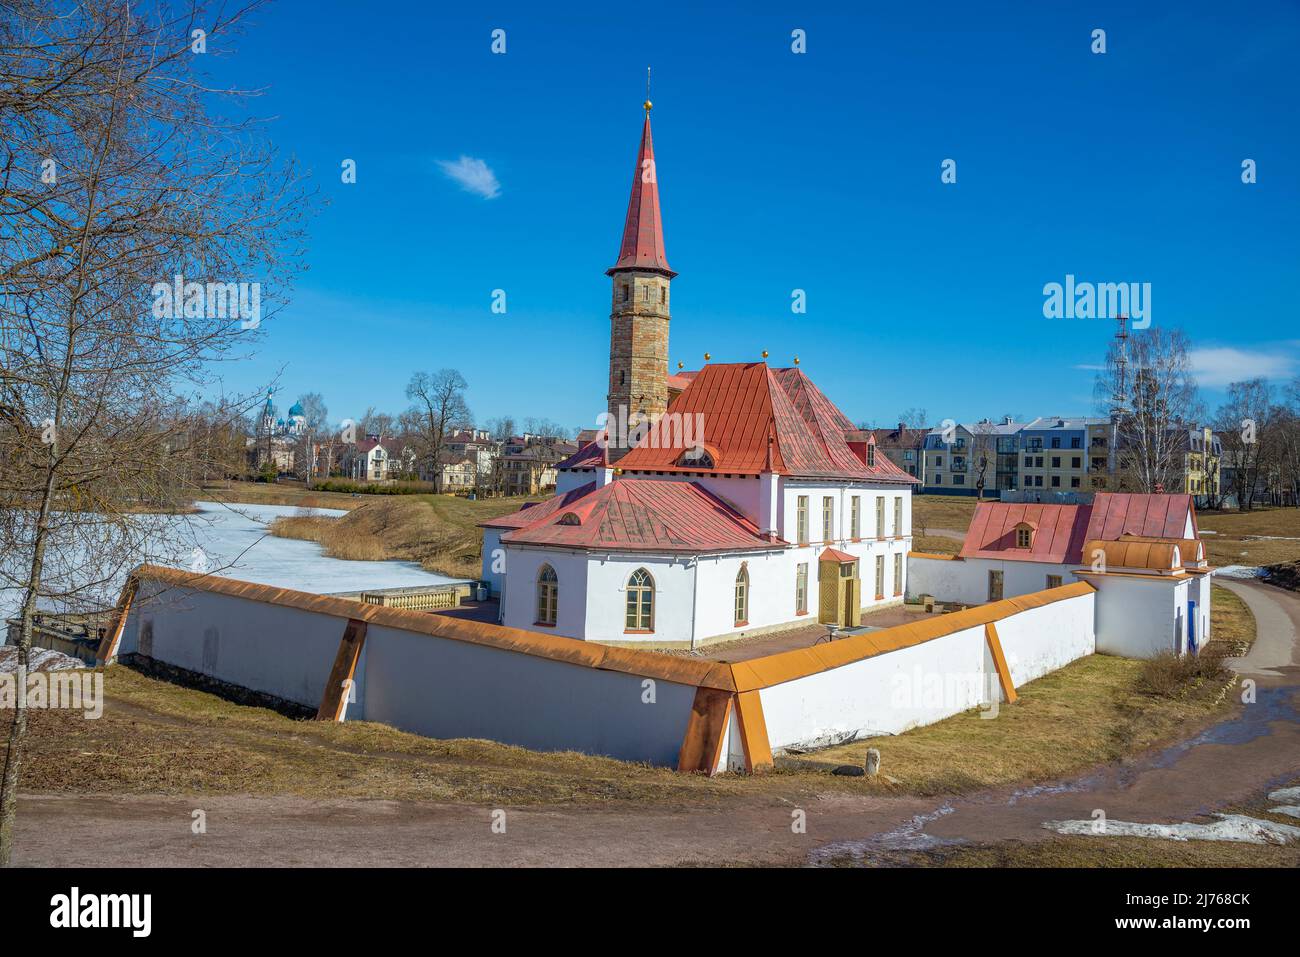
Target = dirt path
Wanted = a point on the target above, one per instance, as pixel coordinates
(1231, 762)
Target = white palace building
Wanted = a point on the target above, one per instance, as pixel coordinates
(775, 512)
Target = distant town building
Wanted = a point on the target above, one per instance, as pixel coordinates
(903, 446)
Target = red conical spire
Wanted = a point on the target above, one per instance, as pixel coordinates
(643, 233)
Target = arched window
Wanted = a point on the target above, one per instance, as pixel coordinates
(1024, 535)
(742, 596)
(640, 601)
(548, 594)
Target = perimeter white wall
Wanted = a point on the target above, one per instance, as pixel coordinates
(966, 580)
(453, 689)
(278, 650)
(924, 683)
(417, 682)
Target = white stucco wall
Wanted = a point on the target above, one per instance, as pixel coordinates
(1139, 617)
(421, 683)
(274, 649)
(453, 689)
(966, 580)
(519, 597)
(491, 543)
(924, 683)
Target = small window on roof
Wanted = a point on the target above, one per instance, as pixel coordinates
(1024, 536)
(569, 518)
(697, 458)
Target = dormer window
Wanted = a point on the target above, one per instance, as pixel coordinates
(698, 458)
(871, 456)
(569, 518)
(1024, 535)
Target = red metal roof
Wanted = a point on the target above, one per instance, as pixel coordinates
(643, 231)
(537, 511)
(646, 514)
(835, 555)
(1058, 539)
(1061, 531)
(741, 405)
(590, 456)
(1158, 516)
(680, 380)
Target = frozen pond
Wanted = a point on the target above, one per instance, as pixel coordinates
(234, 541)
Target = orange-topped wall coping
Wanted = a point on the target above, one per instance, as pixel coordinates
(701, 748)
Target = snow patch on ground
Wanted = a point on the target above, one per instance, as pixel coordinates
(1246, 572)
(234, 541)
(1285, 794)
(38, 659)
(1237, 828)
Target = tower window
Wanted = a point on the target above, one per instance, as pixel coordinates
(645, 293)
(625, 292)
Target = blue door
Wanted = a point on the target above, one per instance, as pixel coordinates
(1191, 626)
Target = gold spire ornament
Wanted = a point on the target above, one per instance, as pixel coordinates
(707, 356)
(796, 360)
(764, 353)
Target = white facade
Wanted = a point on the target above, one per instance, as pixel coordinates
(1139, 613)
(695, 595)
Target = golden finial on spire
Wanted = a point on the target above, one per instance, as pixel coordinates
(648, 105)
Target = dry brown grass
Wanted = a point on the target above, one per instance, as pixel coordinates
(936, 544)
(1090, 712)
(1168, 675)
(440, 532)
(1232, 624)
(277, 493)
(942, 511)
(159, 738)
(1262, 536)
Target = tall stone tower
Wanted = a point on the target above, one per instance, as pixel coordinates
(638, 344)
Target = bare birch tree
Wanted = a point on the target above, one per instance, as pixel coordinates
(1162, 403)
(123, 182)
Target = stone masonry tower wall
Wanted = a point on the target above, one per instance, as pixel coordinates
(638, 321)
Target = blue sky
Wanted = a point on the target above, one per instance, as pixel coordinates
(780, 171)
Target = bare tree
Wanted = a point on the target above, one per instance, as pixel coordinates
(378, 423)
(1161, 404)
(1248, 425)
(439, 410)
(914, 419)
(501, 428)
(121, 185)
(983, 455)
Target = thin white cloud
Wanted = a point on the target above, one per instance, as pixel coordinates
(473, 175)
(1091, 368)
(1218, 367)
